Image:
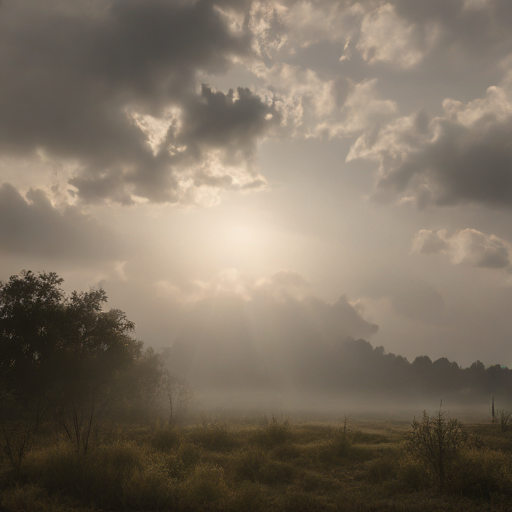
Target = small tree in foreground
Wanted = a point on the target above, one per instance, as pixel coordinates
(437, 441)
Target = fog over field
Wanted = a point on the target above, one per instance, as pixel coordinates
(289, 198)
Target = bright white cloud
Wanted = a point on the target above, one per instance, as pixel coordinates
(385, 37)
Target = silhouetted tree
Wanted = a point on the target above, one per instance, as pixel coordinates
(61, 353)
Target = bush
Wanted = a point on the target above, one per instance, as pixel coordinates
(341, 442)
(166, 439)
(481, 474)
(205, 489)
(382, 468)
(121, 476)
(504, 419)
(213, 435)
(437, 442)
(274, 433)
(249, 463)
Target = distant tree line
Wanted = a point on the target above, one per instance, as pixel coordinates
(355, 366)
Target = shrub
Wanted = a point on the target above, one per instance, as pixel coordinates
(382, 468)
(274, 433)
(213, 435)
(249, 497)
(482, 474)
(205, 489)
(166, 439)
(249, 463)
(412, 474)
(437, 441)
(120, 476)
(341, 442)
(26, 499)
(189, 455)
(504, 419)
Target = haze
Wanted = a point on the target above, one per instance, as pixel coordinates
(286, 168)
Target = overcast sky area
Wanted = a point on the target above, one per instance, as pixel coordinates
(352, 159)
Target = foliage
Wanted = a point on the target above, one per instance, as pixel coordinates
(179, 394)
(166, 439)
(132, 473)
(275, 432)
(213, 435)
(504, 420)
(437, 441)
(53, 343)
(63, 356)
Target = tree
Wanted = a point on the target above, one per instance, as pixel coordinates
(61, 352)
(179, 395)
(437, 441)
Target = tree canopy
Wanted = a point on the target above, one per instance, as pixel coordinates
(51, 342)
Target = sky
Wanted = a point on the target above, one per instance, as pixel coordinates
(352, 159)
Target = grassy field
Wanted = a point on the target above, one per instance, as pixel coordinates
(259, 465)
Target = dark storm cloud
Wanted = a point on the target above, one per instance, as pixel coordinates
(32, 226)
(71, 76)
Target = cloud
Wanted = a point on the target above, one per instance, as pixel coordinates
(266, 332)
(361, 110)
(33, 226)
(284, 293)
(466, 246)
(385, 37)
(112, 86)
(414, 299)
(464, 156)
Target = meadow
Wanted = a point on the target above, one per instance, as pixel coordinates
(221, 463)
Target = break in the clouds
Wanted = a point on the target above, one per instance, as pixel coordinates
(465, 246)
(112, 87)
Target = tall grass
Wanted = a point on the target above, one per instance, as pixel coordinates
(274, 467)
(121, 476)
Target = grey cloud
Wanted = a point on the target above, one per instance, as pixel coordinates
(31, 225)
(221, 121)
(461, 164)
(466, 246)
(464, 156)
(70, 73)
(411, 298)
(263, 332)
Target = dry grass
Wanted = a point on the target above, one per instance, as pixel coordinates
(273, 466)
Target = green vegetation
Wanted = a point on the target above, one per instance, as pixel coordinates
(271, 465)
(89, 421)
